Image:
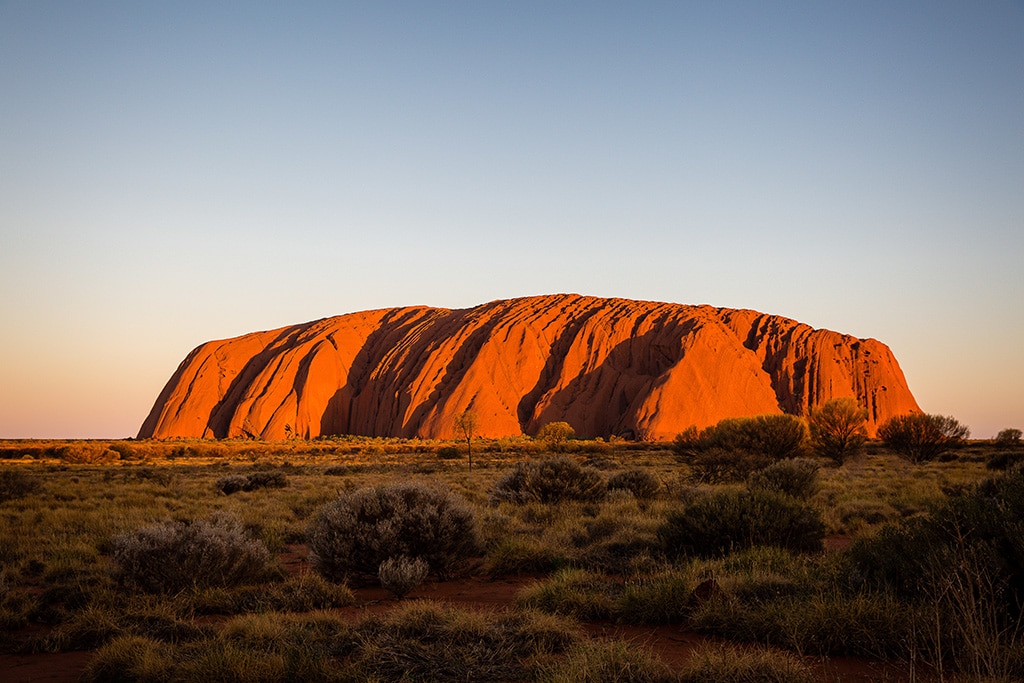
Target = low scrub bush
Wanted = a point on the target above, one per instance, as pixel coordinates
(641, 483)
(1008, 437)
(797, 477)
(15, 483)
(550, 480)
(361, 529)
(87, 454)
(449, 453)
(234, 483)
(608, 661)
(725, 521)
(402, 574)
(176, 555)
(773, 436)
(1004, 459)
(722, 466)
(920, 437)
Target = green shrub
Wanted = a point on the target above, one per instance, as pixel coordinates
(796, 477)
(965, 563)
(774, 436)
(361, 529)
(638, 481)
(920, 437)
(838, 429)
(550, 480)
(736, 447)
(724, 521)
(176, 555)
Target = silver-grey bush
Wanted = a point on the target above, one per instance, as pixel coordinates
(352, 535)
(172, 556)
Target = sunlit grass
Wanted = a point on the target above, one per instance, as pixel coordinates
(591, 560)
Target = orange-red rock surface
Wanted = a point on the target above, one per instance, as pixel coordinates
(605, 366)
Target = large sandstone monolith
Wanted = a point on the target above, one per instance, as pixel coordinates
(605, 366)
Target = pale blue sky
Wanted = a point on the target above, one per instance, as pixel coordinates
(177, 172)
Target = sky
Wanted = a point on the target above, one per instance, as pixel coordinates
(172, 173)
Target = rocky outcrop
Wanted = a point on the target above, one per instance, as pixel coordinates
(605, 366)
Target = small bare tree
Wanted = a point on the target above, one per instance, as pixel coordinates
(465, 424)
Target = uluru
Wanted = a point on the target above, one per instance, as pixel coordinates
(638, 369)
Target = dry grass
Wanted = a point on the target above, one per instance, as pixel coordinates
(598, 559)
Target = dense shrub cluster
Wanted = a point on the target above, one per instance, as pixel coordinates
(233, 483)
(734, 448)
(361, 529)
(640, 482)
(920, 437)
(722, 522)
(964, 563)
(176, 555)
(1004, 459)
(985, 522)
(796, 477)
(550, 480)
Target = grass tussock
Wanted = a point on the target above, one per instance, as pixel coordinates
(728, 664)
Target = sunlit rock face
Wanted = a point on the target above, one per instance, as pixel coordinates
(606, 366)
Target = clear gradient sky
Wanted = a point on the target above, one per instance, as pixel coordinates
(177, 172)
